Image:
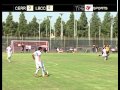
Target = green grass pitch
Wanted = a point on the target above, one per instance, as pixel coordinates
(68, 71)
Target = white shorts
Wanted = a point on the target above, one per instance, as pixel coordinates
(39, 64)
(9, 55)
(104, 55)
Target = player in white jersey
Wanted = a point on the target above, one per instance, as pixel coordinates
(104, 53)
(39, 64)
(9, 53)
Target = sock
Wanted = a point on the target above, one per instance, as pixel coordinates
(36, 70)
(105, 58)
(8, 58)
(43, 73)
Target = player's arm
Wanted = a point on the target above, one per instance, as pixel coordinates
(33, 57)
(39, 57)
(6, 49)
(11, 50)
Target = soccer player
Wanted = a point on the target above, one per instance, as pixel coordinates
(107, 49)
(39, 64)
(104, 53)
(9, 53)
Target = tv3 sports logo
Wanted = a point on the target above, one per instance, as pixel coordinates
(88, 7)
(79, 7)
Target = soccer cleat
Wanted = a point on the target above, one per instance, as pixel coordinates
(39, 75)
(105, 59)
(35, 75)
(46, 73)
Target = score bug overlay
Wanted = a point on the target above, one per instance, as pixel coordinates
(49, 7)
(29, 7)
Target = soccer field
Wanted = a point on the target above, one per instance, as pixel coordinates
(68, 71)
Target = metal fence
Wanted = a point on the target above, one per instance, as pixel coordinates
(81, 44)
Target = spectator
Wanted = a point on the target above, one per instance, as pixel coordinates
(71, 49)
(45, 50)
(26, 47)
(75, 49)
(29, 48)
(94, 48)
(23, 47)
(59, 50)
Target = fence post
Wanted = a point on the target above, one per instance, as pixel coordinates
(103, 41)
(64, 43)
(7, 39)
(22, 37)
(76, 42)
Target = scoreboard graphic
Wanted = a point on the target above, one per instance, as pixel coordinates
(60, 7)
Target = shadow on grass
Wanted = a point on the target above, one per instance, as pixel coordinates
(42, 76)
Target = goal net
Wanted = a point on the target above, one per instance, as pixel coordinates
(28, 45)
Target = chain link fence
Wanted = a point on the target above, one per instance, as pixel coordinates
(81, 44)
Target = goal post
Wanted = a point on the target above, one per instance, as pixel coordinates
(17, 45)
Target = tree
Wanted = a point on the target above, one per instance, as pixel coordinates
(9, 24)
(82, 25)
(22, 26)
(64, 27)
(3, 28)
(58, 26)
(45, 27)
(69, 32)
(33, 26)
(115, 26)
(95, 23)
(15, 24)
(106, 25)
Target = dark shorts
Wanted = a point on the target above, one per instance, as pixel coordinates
(107, 52)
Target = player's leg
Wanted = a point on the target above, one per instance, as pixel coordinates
(38, 66)
(43, 67)
(107, 57)
(104, 56)
(37, 69)
(107, 54)
(9, 57)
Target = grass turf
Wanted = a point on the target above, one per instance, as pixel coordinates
(67, 71)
